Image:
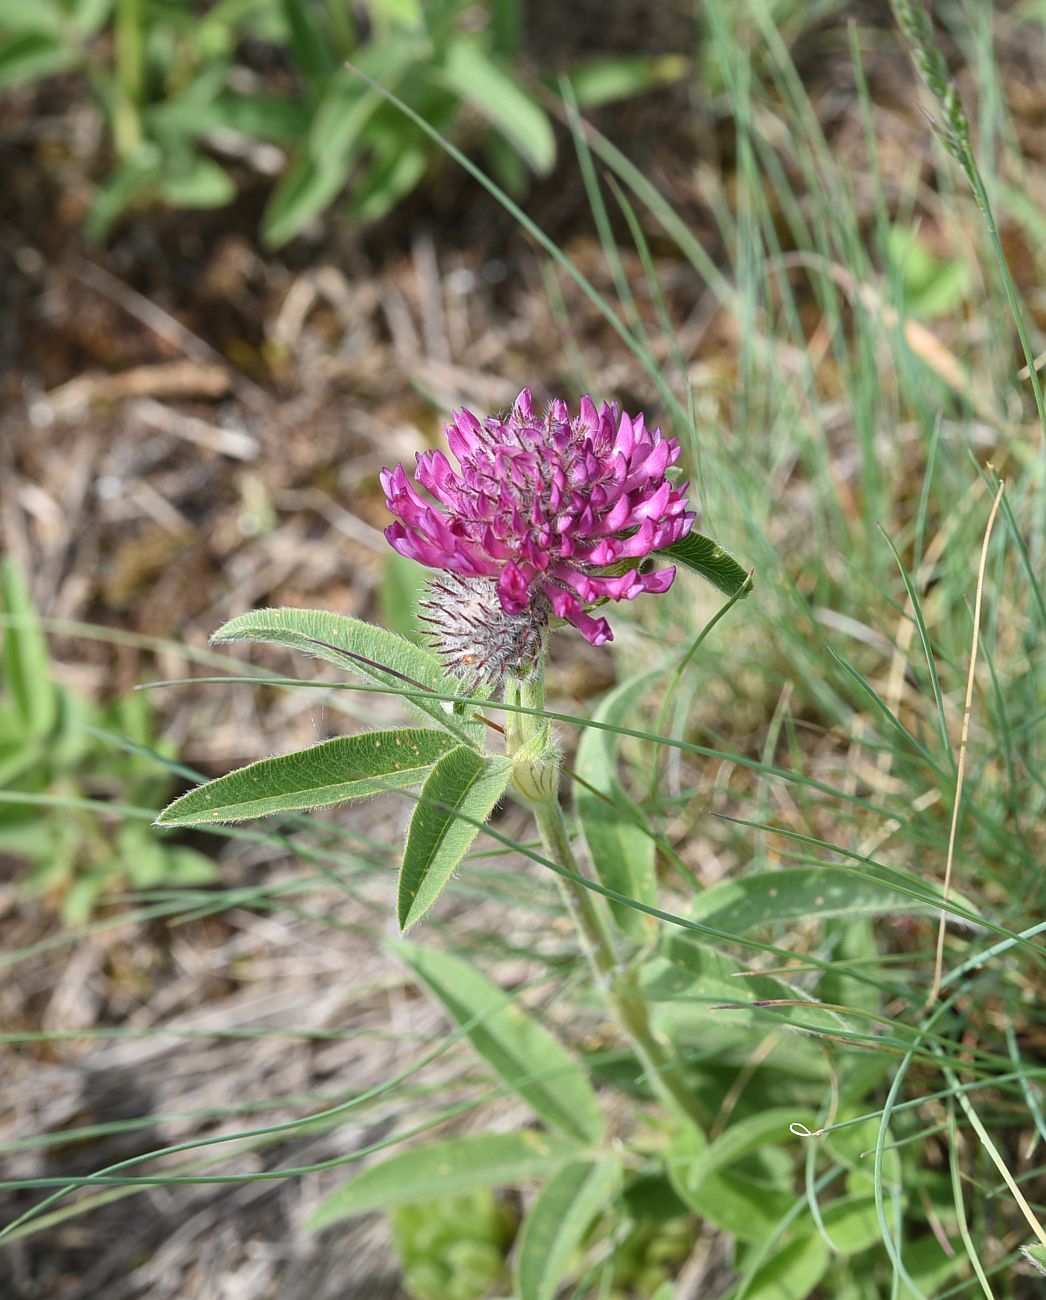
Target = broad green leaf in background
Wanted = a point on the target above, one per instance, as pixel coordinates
(303, 191)
(189, 112)
(529, 1059)
(132, 181)
(339, 132)
(740, 1139)
(682, 1003)
(749, 1203)
(199, 183)
(746, 1207)
(348, 767)
(495, 93)
(851, 1223)
(405, 13)
(401, 586)
(347, 106)
(602, 81)
(693, 976)
(367, 651)
(703, 556)
(39, 16)
(313, 51)
(448, 1168)
(396, 165)
(269, 117)
(781, 896)
(932, 286)
(791, 1273)
(88, 15)
(557, 1222)
(461, 782)
(622, 852)
(31, 55)
(25, 662)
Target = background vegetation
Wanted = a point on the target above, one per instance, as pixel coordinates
(242, 278)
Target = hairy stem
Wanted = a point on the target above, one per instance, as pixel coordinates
(589, 912)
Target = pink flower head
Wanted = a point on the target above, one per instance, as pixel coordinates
(547, 507)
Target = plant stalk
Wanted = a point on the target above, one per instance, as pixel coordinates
(588, 911)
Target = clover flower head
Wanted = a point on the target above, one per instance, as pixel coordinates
(558, 513)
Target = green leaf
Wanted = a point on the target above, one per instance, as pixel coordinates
(741, 1203)
(309, 40)
(932, 286)
(33, 55)
(36, 16)
(304, 190)
(201, 183)
(343, 114)
(336, 137)
(348, 767)
(343, 123)
(462, 782)
(401, 586)
(557, 1222)
(621, 851)
(406, 13)
(520, 1050)
(89, 16)
(25, 658)
(754, 1133)
(791, 1273)
(852, 1223)
(495, 93)
(602, 81)
(267, 117)
(691, 978)
(129, 183)
(780, 896)
(703, 556)
(369, 652)
(390, 177)
(449, 1168)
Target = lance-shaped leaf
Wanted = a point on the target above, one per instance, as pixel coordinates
(530, 1060)
(458, 797)
(740, 1202)
(780, 896)
(348, 767)
(621, 850)
(706, 557)
(559, 1218)
(494, 92)
(450, 1168)
(368, 651)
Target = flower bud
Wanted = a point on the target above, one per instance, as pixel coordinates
(470, 630)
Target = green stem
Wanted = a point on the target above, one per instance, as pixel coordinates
(130, 79)
(587, 909)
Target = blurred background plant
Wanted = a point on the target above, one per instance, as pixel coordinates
(454, 1248)
(78, 780)
(286, 82)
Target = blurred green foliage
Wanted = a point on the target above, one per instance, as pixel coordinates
(72, 805)
(930, 286)
(454, 1248)
(178, 83)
